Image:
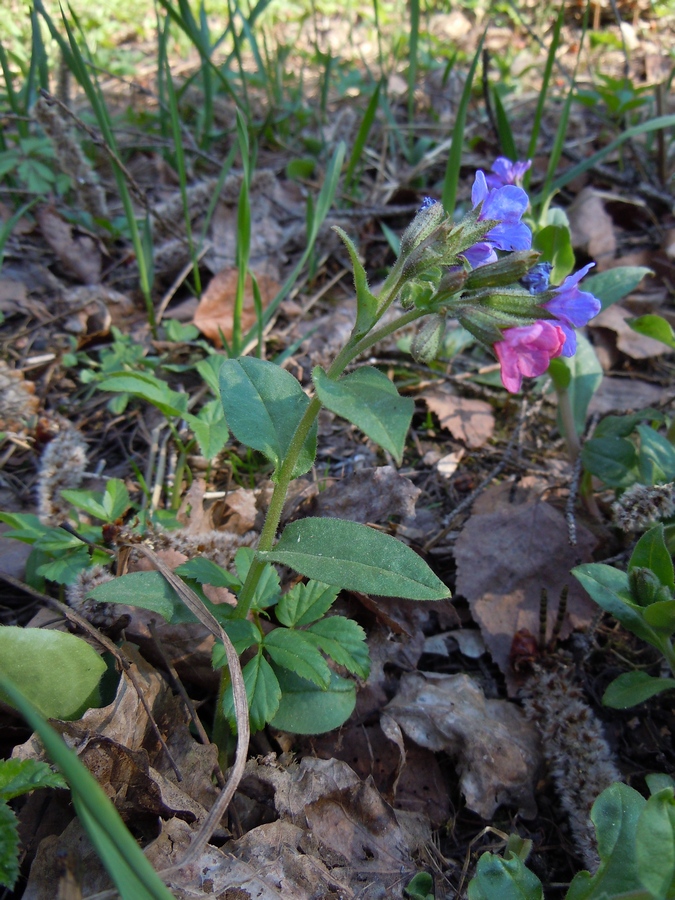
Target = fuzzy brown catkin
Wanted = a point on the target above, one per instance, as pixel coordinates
(62, 466)
(642, 505)
(578, 757)
(100, 615)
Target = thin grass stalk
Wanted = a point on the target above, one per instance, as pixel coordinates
(163, 31)
(362, 135)
(39, 66)
(543, 92)
(243, 248)
(412, 65)
(236, 40)
(506, 139)
(451, 179)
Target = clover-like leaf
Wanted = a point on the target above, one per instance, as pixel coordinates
(305, 603)
(344, 641)
(262, 692)
(19, 776)
(293, 650)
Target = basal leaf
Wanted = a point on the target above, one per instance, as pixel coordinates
(262, 690)
(655, 327)
(306, 709)
(504, 879)
(59, 672)
(355, 557)
(149, 388)
(609, 588)
(656, 457)
(632, 688)
(344, 641)
(293, 650)
(611, 286)
(263, 405)
(305, 603)
(613, 460)
(369, 400)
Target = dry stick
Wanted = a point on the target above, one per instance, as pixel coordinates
(189, 705)
(94, 633)
(197, 608)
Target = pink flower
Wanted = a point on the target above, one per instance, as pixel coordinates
(527, 350)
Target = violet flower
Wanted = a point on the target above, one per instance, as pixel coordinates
(505, 204)
(527, 350)
(573, 308)
(506, 172)
(480, 255)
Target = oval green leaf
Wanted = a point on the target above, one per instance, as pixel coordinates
(369, 400)
(58, 672)
(357, 558)
(263, 405)
(632, 688)
(306, 709)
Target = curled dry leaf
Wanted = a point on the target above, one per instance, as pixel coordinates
(215, 312)
(467, 420)
(504, 559)
(591, 226)
(635, 345)
(496, 750)
(369, 495)
(78, 253)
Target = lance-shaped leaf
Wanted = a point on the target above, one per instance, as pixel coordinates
(263, 406)
(355, 557)
(366, 302)
(369, 400)
(632, 688)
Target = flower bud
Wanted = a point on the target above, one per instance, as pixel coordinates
(508, 270)
(427, 342)
(515, 302)
(422, 226)
(646, 588)
(486, 324)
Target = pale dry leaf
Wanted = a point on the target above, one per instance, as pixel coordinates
(635, 345)
(215, 311)
(58, 852)
(13, 296)
(447, 465)
(239, 510)
(591, 226)
(495, 749)
(78, 253)
(504, 559)
(467, 420)
(18, 402)
(619, 395)
(369, 495)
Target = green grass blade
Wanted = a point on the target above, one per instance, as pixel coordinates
(224, 172)
(506, 140)
(543, 93)
(243, 248)
(362, 135)
(412, 62)
(124, 860)
(657, 124)
(451, 180)
(7, 227)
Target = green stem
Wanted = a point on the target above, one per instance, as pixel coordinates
(568, 426)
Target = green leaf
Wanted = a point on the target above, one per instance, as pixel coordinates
(268, 588)
(262, 691)
(294, 651)
(205, 571)
(9, 847)
(613, 460)
(504, 879)
(19, 776)
(243, 634)
(344, 641)
(90, 502)
(210, 428)
(305, 603)
(555, 244)
(209, 369)
(355, 557)
(148, 590)
(608, 587)
(125, 862)
(149, 388)
(611, 286)
(421, 887)
(651, 553)
(366, 302)
(59, 672)
(66, 568)
(263, 405)
(656, 457)
(632, 688)
(26, 527)
(655, 843)
(622, 426)
(116, 499)
(369, 400)
(661, 616)
(655, 327)
(306, 709)
(615, 815)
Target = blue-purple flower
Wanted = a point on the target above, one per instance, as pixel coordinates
(506, 205)
(537, 278)
(573, 308)
(506, 172)
(480, 255)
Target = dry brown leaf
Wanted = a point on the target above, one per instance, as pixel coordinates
(635, 345)
(215, 312)
(369, 495)
(591, 226)
(239, 510)
(467, 420)
(495, 748)
(504, 559)
(17, 399)
(617, 395)
(78, 253)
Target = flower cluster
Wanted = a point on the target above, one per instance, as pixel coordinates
(526, 350)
